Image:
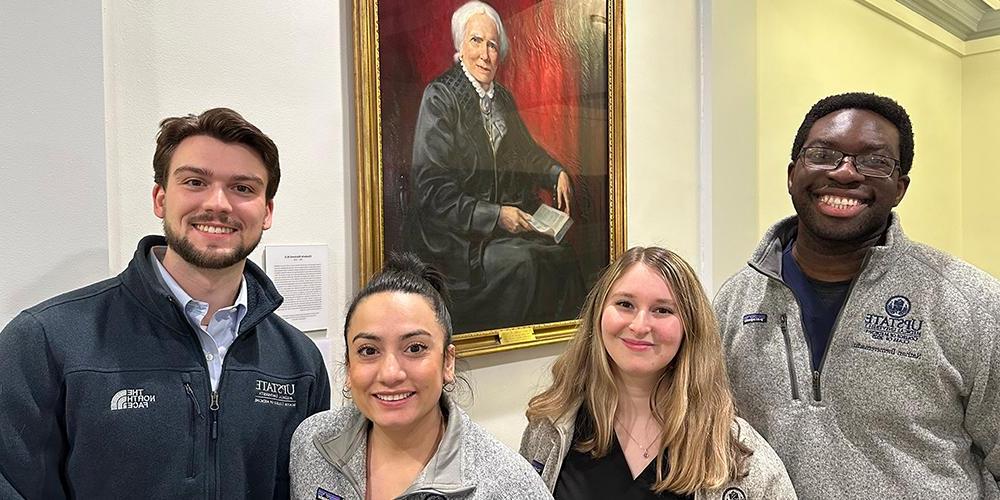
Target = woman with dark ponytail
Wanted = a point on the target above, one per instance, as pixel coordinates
(401, 435)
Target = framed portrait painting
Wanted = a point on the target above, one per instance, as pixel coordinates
(491, 145)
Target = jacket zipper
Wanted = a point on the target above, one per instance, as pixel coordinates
(214, 408)
(788, 342)
(836, 324)
(215, 415)
(342, 468)
(195, 415)
(789, 357)
(214, 401)
(816, 370)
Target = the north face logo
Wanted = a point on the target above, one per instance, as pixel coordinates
(127, 399)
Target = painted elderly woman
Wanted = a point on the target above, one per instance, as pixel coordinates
(475, 181)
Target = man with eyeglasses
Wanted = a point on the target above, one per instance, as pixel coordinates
(870, 362)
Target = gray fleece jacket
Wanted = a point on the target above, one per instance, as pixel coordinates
(545, 444)
(906, 401)
(328, 462)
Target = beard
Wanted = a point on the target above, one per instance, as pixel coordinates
(208, 259)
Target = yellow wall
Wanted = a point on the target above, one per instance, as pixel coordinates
(763, 76)
(732, 82)
(808, 50)
(980, 161)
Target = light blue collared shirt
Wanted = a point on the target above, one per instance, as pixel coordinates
(223, 327)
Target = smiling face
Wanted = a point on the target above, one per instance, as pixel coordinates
(640, 328)
(213, 206)
(841, 205)
(481, 49)
(397, 361)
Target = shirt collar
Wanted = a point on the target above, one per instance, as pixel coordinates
(156, 253)
(475, 83)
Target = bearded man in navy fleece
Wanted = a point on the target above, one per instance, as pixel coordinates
(174, 379)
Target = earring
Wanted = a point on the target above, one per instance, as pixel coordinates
(346, 392)
(449, 386)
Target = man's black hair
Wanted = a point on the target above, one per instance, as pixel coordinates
(883, 106)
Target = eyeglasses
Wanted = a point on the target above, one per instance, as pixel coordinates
(869, 165)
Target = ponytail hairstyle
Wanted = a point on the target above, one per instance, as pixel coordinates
(406, 273)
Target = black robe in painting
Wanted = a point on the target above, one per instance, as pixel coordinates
(457, 186)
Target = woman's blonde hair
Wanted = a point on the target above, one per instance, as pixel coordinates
(691, 400)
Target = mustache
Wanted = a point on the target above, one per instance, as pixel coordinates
(221, 218)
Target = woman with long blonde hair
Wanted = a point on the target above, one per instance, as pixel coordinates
(640, 405)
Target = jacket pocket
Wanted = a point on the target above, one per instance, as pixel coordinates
(196, 415)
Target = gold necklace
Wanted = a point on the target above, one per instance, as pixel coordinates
(645, 452)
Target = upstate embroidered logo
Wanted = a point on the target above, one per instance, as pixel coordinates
(322, 494)
(273, 393)
(754, 318)
(130, 399)
(894, 326)
(734, 494)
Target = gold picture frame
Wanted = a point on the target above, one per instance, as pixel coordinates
(374, 117)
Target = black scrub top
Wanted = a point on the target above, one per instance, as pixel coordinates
(583, 477)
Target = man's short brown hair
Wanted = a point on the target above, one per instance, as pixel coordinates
(223, 124)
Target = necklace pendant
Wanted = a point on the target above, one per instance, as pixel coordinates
(645, 454)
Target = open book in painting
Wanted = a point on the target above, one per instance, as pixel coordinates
(551, 221)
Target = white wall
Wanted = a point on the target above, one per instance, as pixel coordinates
(287, 66)
(51, 151)
(662, 117)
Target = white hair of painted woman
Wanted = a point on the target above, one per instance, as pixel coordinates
(461, 17)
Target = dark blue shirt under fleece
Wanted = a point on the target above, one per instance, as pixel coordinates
(820, 302)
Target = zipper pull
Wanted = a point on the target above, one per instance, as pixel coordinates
(816, 385)
(215, 414)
